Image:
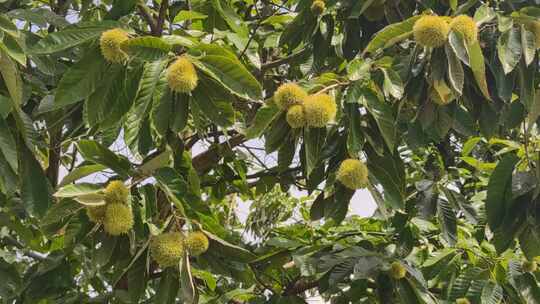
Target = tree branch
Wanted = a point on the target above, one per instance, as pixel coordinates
(206, 160)
(147, 16)
(29, 253)
(270, 172)
(55, 149)
(300, 286)
(161, 17)
(192, 140)
(276, 63)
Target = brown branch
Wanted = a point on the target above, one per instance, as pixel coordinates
(277, 63)
(147, 16)
(192, 140)
(161, 17)
(251, 37)
(55, 150)
(300, 286)
(206, 160)
(270, 172)
(29, 253)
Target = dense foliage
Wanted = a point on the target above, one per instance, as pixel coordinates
(131, 130)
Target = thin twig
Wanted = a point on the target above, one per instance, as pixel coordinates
(276, 63)
(333, 86)
(252, 36)
(261, 163)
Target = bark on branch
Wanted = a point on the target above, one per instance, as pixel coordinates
(161, 18)
(147, 16)
(300, 286)
(206, 160)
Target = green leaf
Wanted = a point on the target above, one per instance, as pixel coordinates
(286, 153)
(91, 200)
(527, 76)
(14, 49)
(161, 160)
(72, 232)
(355, 137)
(299, 29)
(190, 294)
(392, 85)
(162, 107)
(484, 14)
(11, 280)
(102, 102)
(264, 117)
(478, 164)
(147, 86)
(314, 139)
(529, 241)
(179, 191)
(534, 111)
(12, 78)
(233, 20)
(457, 43)
(478, 67)
(229, 250)
(492, 293)
(179, 40)
(499, 192)
(74, 190)
(509, 49)
(35, 187)
(407, 293)
(338, 207)
(58, 215)
(188, 15)
(181, 109)
(137, 279)
(122, 93)
(7, 26)
(59, 41)
(433, 265)
(233, 76)
(360, 8)
(80, 172)
(279, 129)
(147, 48)
(390, 173)
(95, 152)
(391, 35)
(382, 112)
(214, 102)
(317, 210)
(38, 16)
(358, 69)
(8, 146)
(455, 70)
(103, 254)
(207, 49)
(5, 106)
(205, 276)
(121, 8)
(447, 218)
(81, 79)
(168, 287)
(528, 45)
(8, 178)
